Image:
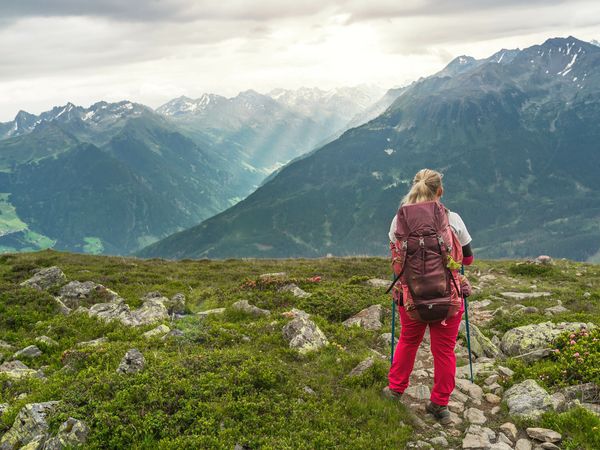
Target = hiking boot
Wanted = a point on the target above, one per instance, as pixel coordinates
(390, 394)
(441, 413)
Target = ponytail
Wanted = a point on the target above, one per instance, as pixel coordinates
(425, 187)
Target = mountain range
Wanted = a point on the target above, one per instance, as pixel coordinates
(516, 135)
(114, 177)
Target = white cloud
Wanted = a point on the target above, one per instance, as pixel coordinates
(86, 50)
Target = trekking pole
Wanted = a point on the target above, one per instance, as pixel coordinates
(393, 330)
(462, 272)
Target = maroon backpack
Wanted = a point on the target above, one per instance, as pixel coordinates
(421, 255)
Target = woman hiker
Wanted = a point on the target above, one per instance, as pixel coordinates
(427, 248)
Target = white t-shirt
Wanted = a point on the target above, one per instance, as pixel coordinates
(456, 223)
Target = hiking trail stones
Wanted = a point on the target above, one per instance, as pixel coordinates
(362, 367)
(295, 290)
(527, 400)
(523, 444)
(480, 344)
(510, 430)
(303, 334)
(45, 279)
(528, 338)
(369, 318)
(28, 352)
(246, 307)
(133, 362)
(543, 435)
(418, 392)
(30, 425)
(16, 370)
(474, 415)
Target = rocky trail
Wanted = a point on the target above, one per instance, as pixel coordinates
(502, 409)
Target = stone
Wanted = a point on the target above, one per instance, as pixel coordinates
(92, 343)
(28, 352)
(530, 310)
(525, 295)
(558, 309)
(304, 335)
(549, 446)
(74, 293)
(72, 433)
(421, 373)
(247, 308)
(439, 441)
(274, 275)
(535, 355)
(474, 415)
(510, 430)
(362, 367)
(504, 438)
(385, 340)
(480, 344)
(492, 399)
(369, 318)
(45, 340)
(459, 396)
(379, 283)
(471, 389)
(176, 334)
(528, 338)
(133, 362)
(478, 438)
(160, 330)
(3, 408)
(495, 410)
(587, 392)
(113, 311)
(559, 401)
(543, 434)
(295, 290)
(62, 308)
(491, 379)
(505, 371)
(6, 346)
(30, 424)
(544, 260)
(176, 304)
(456, 407)
(500, 446)
(479, 369)
(527, 400)
(16, 370)
(523, 444)
(45, 279)
(418, 392)
(153, 310)
(308, 390)
(211, 312)
(292, 314)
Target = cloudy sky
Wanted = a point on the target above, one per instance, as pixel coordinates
(149, 51)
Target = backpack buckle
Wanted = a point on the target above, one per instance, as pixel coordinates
(422, 241)
(404, 245)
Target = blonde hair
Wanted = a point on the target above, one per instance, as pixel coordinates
(425, 187)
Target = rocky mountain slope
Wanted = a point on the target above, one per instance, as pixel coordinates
(116, 352)
(515, 135)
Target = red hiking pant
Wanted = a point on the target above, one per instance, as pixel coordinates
(443, 340)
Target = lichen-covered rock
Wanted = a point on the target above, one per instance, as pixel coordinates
(3, 408)
(543, 434)
(385, 340)
(210, 312)
(28, 352)
(16, 370)
(45, 340)
(45, 279)
(378, 283)
(160, 330)
(246, 307)
(113, 311)
(29, 425)
(304, 335)
(295, 290)
(369, 318)
(72, 433)
(175, 304)
(524, 295)
(132, 362)
(528, 338)
(527, 400)
(362, 367)
(93, 343)
(74, 293)
(152, 311)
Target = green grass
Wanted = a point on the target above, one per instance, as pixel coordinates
(232, 378)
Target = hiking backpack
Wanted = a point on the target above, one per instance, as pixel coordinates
(424, 259)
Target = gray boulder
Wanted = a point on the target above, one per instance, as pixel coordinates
(295, 290)
(247, 308)
(30, 425)
(543, 434)
(74, 293)
(210, 312)
(16, 370)
(93, 343)
(369, 318)
(480, 344)
(45, 340)
(113, 311)
(28, 352)
(45, 279)
(558, 309)
(378, 283)
(304, 335)
(159, 331)
(133, 362)
(528, 338)
(72, 433)
(385, 340)
(362, 367)
(525, 295)
(586, 393)
(152, 311)
(527, 400)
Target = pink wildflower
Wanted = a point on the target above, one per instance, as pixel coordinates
(576, 355)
